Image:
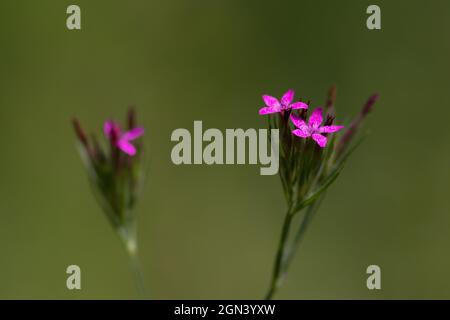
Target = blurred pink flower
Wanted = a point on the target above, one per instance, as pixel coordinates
(312, 128)
(122, 141)
(273, 105)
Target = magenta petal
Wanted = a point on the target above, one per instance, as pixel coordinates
(267, 110)
(110, 128)
(330, 129)
(299, 105)
(133, 133)
(126, 147)
(320, 139)
(315, 120)
(287, 98)
(303, 129)
(302, 133)
(272, 102)
(297, 121)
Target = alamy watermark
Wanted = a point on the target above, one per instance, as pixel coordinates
(236, 146)
(74, 279)
(374, 280)
(374, 20)
(73, 21)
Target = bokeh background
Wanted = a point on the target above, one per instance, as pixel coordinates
(210, 232)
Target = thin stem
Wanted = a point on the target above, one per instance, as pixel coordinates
(128, 238)
(285, 251)
(310, 211)
(278, 275)
(136, 269)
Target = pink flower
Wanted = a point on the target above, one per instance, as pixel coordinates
(313, 128)
(273, 105)
(122, 141)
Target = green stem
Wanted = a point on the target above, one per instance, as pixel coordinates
(278, 274)
(285, 251)
(310, 211)
(136, 269)
(129, 240)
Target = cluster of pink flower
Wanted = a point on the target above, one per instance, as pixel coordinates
(304, 130)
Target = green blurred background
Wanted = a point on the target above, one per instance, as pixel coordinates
(211, 232)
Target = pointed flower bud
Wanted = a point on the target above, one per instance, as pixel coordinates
(331, 98)
(356, 123)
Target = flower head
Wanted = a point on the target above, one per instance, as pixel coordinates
(313, 128)
(273, 105)
(306, 170)
(115, 171)
(122, 140)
